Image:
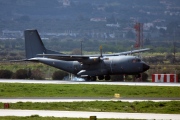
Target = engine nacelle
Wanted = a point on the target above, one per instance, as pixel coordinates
(92, 72)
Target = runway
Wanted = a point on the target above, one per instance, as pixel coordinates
(82, 114)
(78, 99)
(84, 82)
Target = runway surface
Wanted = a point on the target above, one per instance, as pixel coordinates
(78, 99)
(84, 82)
(82, 114)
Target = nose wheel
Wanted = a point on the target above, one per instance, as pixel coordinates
(138, 76)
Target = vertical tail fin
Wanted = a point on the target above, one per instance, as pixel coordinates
(34, 44)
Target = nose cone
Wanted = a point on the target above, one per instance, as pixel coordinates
(145, 67)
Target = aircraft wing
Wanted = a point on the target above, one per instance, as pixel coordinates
(128, 52)
(65, 57)
(87, 59)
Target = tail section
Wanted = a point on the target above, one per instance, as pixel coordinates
(34, 44)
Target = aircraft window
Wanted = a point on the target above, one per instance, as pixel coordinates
(136, 60)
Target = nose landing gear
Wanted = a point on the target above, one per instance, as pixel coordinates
(138, 75)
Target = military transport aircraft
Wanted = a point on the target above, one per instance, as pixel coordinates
(90, 67)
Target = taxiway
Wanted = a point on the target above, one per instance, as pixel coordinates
(82, 114)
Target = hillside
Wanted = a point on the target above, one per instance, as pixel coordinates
(91, 19)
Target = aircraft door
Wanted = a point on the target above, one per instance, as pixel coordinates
(116, 66)
(111, 66)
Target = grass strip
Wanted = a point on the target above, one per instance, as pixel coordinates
(172, 107)
(82, 90)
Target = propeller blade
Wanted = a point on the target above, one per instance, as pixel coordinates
(100, 50)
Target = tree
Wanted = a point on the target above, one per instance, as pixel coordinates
(76, 51)
(130, 34)
(162, 31)
(6, 74)
(21, 74)
(36, 74)
(144, 77)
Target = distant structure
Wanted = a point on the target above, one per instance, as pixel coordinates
(113, 25)
(139, 35)
(98, 19)
(66, 3)
(8, 33)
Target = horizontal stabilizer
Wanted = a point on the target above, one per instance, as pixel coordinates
(23, 60)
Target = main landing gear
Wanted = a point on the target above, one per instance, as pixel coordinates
(94, 78)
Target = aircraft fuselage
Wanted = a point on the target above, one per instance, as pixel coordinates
(110, 65)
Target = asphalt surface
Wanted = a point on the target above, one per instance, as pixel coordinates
(82, 114)
(79, 99)
(84, 82)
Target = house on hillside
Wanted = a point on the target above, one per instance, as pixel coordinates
(98, 19)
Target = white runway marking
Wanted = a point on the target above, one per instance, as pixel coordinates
(44, 100)
(80, 114)
(99, 83)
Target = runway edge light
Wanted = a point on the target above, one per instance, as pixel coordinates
(6, 105)
(117, 95)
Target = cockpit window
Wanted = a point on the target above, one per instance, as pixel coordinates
(136, 60)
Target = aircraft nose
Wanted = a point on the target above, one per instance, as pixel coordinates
(145, 67)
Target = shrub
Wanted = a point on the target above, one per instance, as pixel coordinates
(144, 77)
(178, 74)
(36, 74)
(21, 74)
(6, 74)
(59, 75)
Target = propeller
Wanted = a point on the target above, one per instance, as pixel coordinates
(101, 56)
(100, 48)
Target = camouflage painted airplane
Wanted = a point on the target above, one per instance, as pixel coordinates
(90, 67)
